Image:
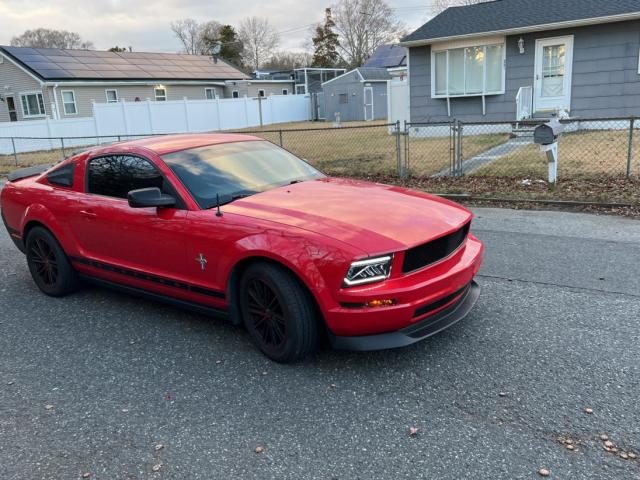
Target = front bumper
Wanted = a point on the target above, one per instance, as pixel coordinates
(431, 325)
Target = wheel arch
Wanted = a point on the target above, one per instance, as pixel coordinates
(233, 284)
(39, 215)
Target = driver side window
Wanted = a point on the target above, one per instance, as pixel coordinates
(117, 175)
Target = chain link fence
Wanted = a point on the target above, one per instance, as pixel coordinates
(598, 158)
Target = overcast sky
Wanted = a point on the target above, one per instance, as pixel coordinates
(144, 24)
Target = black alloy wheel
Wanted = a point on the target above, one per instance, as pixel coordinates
(278, 312)
(267, 316)
(49, 266)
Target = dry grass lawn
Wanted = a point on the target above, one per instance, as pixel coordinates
(581, 154)
(370, 150)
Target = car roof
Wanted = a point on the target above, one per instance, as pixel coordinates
(164, 144)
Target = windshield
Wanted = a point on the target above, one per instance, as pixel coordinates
(236, 170)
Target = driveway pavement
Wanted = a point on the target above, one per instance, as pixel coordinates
(115, 386)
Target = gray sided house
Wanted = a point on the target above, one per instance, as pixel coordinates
(358, 95)
(506, 60)
(37, 83)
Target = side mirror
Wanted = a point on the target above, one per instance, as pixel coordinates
(149, 197)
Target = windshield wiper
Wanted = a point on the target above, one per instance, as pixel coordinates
(238, 196)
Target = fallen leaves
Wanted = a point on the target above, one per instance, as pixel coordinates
(609, 446)
(569, 443)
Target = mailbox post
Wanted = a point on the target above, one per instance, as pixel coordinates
(547, 137)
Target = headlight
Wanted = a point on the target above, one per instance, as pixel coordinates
(368, 271)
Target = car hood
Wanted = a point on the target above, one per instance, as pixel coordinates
(373, 217)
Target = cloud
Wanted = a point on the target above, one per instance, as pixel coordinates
(144, 24)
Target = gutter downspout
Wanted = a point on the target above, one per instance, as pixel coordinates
(55, 101)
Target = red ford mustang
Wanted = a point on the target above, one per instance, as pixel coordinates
(234, 225)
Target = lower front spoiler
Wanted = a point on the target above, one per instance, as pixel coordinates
(413, 333)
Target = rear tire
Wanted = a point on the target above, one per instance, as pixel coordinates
(278, 313)
(49, 266)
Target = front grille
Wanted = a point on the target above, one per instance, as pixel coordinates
(431, 252)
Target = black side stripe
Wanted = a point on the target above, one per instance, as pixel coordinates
(148, 277)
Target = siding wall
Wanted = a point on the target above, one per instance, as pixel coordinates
(13, 81)
(244, 89)
(353, 110)
(86, 94)
(605, 76)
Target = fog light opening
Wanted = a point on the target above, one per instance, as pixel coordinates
(387, 302)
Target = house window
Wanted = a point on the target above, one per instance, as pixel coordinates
(344, 98)
(261, 93)
(69, 102)
(32, 105)
(161, 94)
(235, 94)
(210, 93)
(469, 71)
(285, 91)
(112, 96)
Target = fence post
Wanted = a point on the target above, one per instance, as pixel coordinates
(630, 151)
(15, 153)
(125, 120)
(62, 147)
(398, 152)
(218, 117)
(459, 151)
(186, 114)
(150, 114)
(96, 123)
(280, 135)
(407, 166)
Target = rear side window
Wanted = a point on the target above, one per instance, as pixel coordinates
(62, 176)
(117, 175)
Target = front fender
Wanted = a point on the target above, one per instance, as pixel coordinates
(319, 265)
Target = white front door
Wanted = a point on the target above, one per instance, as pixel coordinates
(368, 103)
(552, 82)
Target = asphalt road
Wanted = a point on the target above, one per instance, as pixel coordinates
(92, 383)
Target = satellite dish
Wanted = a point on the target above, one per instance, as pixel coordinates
(215, 50)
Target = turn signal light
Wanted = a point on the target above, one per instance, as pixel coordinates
(381, 303)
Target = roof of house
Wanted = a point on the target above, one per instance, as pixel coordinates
(505, 15)
(387, 56)
(365, 74)
(76, 65)
(369, 74)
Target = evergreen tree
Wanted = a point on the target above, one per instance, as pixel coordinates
(325, 44)
(231, 50)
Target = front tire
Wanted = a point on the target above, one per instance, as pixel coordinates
(278, 313)
(49, 266)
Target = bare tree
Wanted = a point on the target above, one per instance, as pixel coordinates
(259, 39)
(439, 6)
(363, 25)
(285, 60)
(46, 38)
(195, 36)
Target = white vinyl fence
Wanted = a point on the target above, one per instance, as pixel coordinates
(152, 118)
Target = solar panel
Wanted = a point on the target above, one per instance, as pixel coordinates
(387, 56)
(57, 64)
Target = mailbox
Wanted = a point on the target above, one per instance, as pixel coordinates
(548, 133)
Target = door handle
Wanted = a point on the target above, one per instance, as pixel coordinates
(88, 213)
